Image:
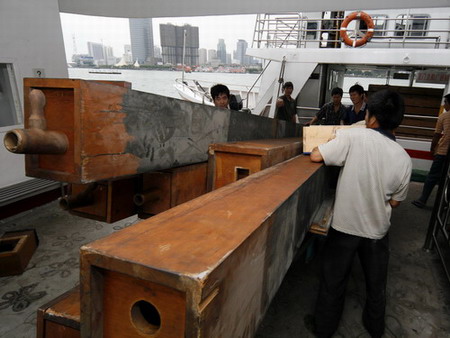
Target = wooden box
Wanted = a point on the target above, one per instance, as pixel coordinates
(206, 268)
(165, 189)
(422, 107)
(314, 136)
(16, 250)
(235, 160)
(60, 318)
(110, 200)
(113, 131)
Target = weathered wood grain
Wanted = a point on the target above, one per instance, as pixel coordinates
(114, 131)
(213, 263)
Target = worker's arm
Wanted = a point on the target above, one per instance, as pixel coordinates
(394, 203)
(316, 156)
(310, 123)
(280, 103)
(435, 141)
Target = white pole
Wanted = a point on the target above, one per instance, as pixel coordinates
(184, 53)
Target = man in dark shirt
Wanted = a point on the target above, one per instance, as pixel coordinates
(331, 113)
(357, 112)
(286, 105)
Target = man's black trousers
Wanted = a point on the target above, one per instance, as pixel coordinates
(338, 255)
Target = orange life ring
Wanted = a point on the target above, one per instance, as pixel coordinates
(366, 37)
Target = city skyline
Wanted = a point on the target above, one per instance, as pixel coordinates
(115, 32)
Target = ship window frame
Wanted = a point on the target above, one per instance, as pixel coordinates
(9, 97)
(415, 25)
(312, 28)
(380, 28)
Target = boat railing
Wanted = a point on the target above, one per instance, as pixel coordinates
(301, 30)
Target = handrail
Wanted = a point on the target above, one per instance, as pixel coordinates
(293, 30)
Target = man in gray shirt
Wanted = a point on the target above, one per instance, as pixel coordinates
(374, 179)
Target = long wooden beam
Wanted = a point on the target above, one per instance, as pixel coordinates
(94, 130)
(206, 268)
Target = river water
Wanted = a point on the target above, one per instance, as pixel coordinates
(160, 81)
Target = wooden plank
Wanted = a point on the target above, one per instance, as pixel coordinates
(114, 131)
(236, 160)
(222, 255)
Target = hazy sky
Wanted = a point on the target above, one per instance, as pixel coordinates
(115, 32)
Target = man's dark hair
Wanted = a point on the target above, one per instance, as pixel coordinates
(356, 88)
(388, 108)
(288, 84)
(218, 89)
(447, 97)
(337, 91)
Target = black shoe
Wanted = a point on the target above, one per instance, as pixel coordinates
(418, 204)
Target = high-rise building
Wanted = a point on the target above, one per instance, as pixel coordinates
(202, 56)
(212, 54)
(141, 35)
(222, 51)
(95, 50)
(109, 55)
(172, 40)
(241, 49)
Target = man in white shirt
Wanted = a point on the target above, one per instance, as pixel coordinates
(374, 179)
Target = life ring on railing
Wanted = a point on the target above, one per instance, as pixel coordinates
(365, 38)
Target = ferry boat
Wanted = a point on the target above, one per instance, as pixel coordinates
(411, 42)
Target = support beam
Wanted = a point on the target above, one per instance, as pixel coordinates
(207, 268)
(114, 131)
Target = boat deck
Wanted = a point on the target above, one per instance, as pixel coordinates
(418, 293)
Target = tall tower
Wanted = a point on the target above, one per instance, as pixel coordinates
(172, 39)
(202, 56)
(241, 49)
(222, 51)
(141, 36)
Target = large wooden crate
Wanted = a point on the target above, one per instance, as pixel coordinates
(165, 189)
(60, 318)
(207, 268)
(422, 107)
(235, 160)
(114, 131)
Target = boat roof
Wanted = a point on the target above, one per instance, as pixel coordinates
(173, 8)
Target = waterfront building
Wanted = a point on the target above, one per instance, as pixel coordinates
(222, 51)
(212, 54)
(141, 36)
(95, 50)
(241, 49)
(228, 59)
(202, 56)
(172, 40)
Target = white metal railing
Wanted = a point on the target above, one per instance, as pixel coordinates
(296, 30)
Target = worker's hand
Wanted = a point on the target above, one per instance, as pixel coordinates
(280, 103)
(315, 155)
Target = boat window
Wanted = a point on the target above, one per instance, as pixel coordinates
(10, 112)
(412, 25)
(380, 23)
(311, 30)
